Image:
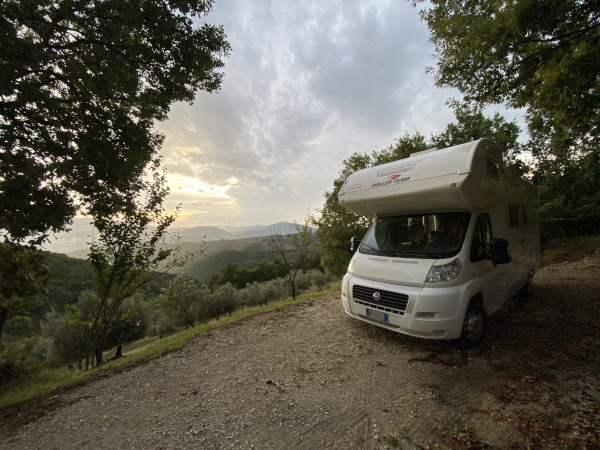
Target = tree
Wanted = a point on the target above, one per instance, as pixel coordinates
(81, 84)
(130, 251)
(305, 244)
(223, 300)
(181, 300)
(568, 183)
(23, 273)
(471, 124)
(65, 335)
(540, 54)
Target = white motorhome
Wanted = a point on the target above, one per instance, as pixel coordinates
(455, 234)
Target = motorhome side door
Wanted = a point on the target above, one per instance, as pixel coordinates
(494, 276)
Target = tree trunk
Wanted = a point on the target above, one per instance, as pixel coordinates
(3, 319)
(292, 279)
(98, 353)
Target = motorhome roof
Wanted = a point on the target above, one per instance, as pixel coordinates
(464, 177)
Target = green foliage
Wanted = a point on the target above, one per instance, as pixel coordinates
(319, 279)
(240, 277)
(186, 301)
(568, 178)
(130, 251)
(542, 55)
(210, 265)
(393, 441)
(64, 336)
(471, 124)
(14, 358)
(23, 273)
(69, 277)
(224, 300)
(82, 84)
(257, 294)
(304, 241)
(183, 302)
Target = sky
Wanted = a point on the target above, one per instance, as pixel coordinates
(307, 84)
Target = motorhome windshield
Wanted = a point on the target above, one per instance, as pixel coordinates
(422, 235)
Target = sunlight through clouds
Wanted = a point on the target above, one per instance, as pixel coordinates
(307, 85)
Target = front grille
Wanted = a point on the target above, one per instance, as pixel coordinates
(393, 302)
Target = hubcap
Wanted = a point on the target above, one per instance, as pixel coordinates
(474, 325)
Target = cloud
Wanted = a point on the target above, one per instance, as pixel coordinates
(307, 84)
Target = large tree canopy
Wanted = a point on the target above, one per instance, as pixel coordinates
(540, 54)
(81, 83)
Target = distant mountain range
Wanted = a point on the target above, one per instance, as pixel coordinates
(76, 242)
(196, 234)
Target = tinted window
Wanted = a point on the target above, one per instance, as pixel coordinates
(482, 238)
(492, 168)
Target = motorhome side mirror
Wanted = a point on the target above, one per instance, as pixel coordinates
(500, 251)
(354, 243)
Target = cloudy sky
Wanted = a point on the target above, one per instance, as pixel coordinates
(307, 84)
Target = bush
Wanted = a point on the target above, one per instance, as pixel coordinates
(319, 279)
(65, 338)
(303, 282)
(15, 358)
(224, 300)
(252, 294)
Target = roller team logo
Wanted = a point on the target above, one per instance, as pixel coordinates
(392, 179)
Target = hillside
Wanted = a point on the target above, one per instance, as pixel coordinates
(205, 267)
(74, 272)
(76, 242)
(246, 253)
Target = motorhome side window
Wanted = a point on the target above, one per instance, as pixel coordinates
(492, 168)
(421, 235)
(482, 238)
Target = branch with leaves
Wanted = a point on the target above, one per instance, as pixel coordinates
(303, 241)
(130, 250)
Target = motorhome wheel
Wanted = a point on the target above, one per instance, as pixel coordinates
(528, 288)
(474, 325)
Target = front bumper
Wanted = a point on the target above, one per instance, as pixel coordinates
(430, 312)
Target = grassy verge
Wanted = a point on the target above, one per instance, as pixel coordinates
(47, 380)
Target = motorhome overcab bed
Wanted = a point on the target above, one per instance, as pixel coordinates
(455, 234)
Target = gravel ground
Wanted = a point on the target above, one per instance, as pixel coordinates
(311, 377)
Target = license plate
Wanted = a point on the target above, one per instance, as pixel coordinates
(377, 315)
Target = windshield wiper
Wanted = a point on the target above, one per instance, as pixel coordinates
(410, 255)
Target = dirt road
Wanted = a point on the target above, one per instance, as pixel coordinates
(310, 377)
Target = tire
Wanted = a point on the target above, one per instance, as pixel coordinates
(474, 327)
(527, 290)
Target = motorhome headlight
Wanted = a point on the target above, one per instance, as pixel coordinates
(351, 265)
(444, 273)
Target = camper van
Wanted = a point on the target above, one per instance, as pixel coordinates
(455, 233)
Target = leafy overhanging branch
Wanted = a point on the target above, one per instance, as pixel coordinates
(129, 252)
